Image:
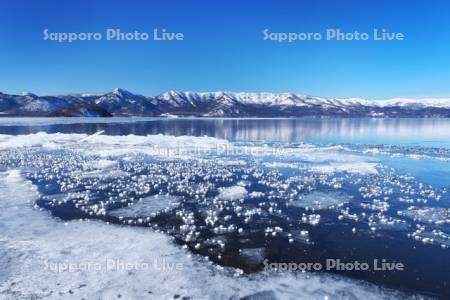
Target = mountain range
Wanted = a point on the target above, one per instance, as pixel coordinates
(120, 102)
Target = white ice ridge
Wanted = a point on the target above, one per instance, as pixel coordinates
(162, 145)
(322, 159)
(45, 139)
(33, 245)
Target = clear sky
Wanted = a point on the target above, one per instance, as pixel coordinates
(223, 48)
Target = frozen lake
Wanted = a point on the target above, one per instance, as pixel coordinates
(225, 197)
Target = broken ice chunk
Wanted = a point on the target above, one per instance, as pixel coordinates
(146, 206)
(318, 200)
(232, 193)
(431, 215)
(252, 257)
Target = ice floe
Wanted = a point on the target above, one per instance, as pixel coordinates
(431, 215)
(233, 193)
(146, 206)
(318, 200)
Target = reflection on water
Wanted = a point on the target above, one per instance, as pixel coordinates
(429, 132)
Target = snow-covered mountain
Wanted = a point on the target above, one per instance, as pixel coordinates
(120, 102)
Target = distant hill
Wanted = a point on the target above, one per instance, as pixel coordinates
(120, 102)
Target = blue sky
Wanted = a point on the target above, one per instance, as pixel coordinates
(224, 48)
